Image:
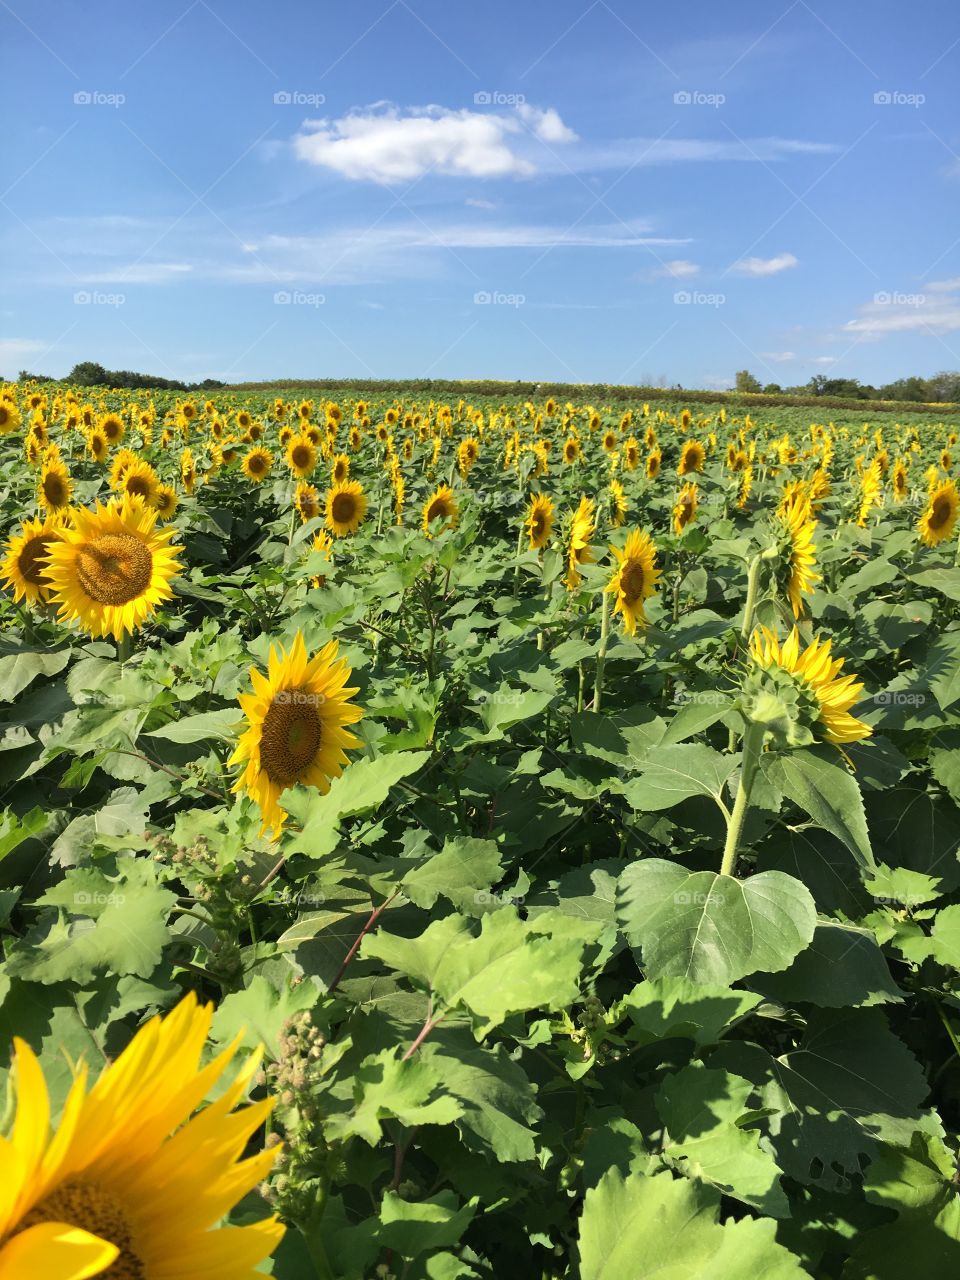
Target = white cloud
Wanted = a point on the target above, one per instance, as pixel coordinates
(386, 145)
(764, 266)
(678, 269)
(825, 359)
(935, 312)
(944, 286)
(475, 203)
(779, 357)
(13, 349)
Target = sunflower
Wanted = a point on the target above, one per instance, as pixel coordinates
(441, 505)
(799, 528)
(468, 451)
(692, 457)
(256, 464)
(937, 522)
(129, 1159)
(307, 501)
(346, 506)
(818, 672)
(340, 469)
(652, 467)
(140, 481)
(297, 717)
(243, 420)
(56, 487)
(301, 457)
(571, 450)
(111, 426)
(321, 542)
(539, 521)
(24, 566)
(635, 580)
(610, 442)
(631, 454)
(619, 501)
(9, 417)
(165, 501)
(900, 482)
(112, 567)
(685, 507)
(582, 530)
(97, 445)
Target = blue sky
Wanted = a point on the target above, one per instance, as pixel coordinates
(622, 191)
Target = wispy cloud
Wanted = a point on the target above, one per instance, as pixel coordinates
(934, 311)
(678, 269)
(765, 266)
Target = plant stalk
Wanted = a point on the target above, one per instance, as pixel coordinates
(752, 746)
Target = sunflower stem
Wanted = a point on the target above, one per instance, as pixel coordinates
(749, 764)
(602, 651)
(583, 684)
(516, 564)
(125, 647)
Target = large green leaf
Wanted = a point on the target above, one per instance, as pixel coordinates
(827, 792)
(711, 928)
(675, 773)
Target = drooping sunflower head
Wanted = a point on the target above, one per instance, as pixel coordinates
(582, 528)
(685, 507)
(692, 457)
(256, 465)
(24, 566)
(441, 505)
(937, 523)
(301, 457)
(99, 1196)
(619, 504)
(346, 507)
(296, 727)
(539, 521)
(112, 567)
(635, 580)
(797, 572)
(823, 697)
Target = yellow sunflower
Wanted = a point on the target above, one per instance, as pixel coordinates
(571, 450)
(631, 454)
(297, 717)
(635, 580)
(582, 530)
(799, 528)
(301, 457)
(340, 469)
(111, 568)
(132, 1182)
(24, 565)
(441, 505)
(619, 502)
(818, 672)
(652, 467)
(307, 501)
(901, 484)
(539, 521)
(685, 507)
(692, 457)
(256, 464)
(112, 428)
(9, 417)
(322, 542)
(165, 501)
(346, 506)
(56, 487)
(140, 481)
(97, 445)
(937, 522)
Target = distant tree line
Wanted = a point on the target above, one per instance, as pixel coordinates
(940, 389)
(90, 374)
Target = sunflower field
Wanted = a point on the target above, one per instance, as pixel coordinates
(474, 839)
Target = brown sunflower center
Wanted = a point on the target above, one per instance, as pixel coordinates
(114, 568)
(31, 560)
(437, 508)
(343, 508)
(632, 578)
(538, 524)
(55, 489)
(112, 429)
(301, 455)
(940, 513)
(84, 1204)
(290, 735)
(257, 463)
(339, 471)
(138, 485)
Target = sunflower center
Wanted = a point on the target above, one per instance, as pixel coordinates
(343, 508)
(31, 562)
(538, 524)
(290, 735)
(339, 471)
(257, 464)
(301, 456)
(940, 513)
(138, 485)
(84, 1204)
(632, 578)
(114, 568)
(54, 489)
(436, 509)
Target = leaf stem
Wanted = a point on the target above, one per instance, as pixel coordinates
(752, 746)
(602, 652)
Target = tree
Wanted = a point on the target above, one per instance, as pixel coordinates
(745, 381)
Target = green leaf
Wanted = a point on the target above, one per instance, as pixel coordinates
(945, 937)
(219, 725)
(18, 670)
(14, 831)
(946, 581)
(842, 968)
(411, 1227)
(701, 1108)
(664, 1228)
(259, 1012)
(663, 1007)
(385, 1087)
(464, 866)
(675, 773)
(711, 928)
(827, 793)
